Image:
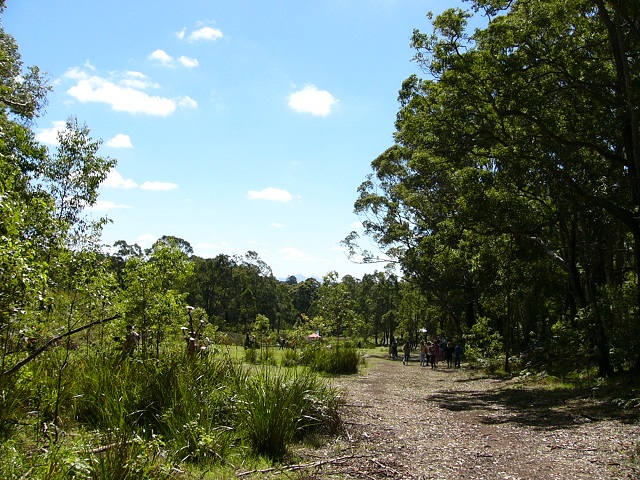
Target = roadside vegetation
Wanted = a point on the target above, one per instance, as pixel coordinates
(94, 413)
(506, 214)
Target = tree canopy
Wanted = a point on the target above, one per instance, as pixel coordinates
(514, 174)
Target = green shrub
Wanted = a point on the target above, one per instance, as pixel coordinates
(484, 346)
(276, 406)
(122, 457)
(199, 415)
(251, 355)
(290, 357)
(338, 360)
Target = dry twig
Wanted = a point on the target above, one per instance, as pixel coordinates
(293, 468)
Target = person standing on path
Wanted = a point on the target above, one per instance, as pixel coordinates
(457, 353)
(407, 352)
(432, 354)
(423, 353)
(448, 354)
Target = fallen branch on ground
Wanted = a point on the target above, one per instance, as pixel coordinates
(302, 466)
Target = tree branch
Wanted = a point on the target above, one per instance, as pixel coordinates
(30, 358)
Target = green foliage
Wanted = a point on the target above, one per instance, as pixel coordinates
(141, 417)
(276, 406)
(483, 344)
(251, 355)
(16, 394)
(508, 200)
(291, 357)
(509, 191)
(332, 360)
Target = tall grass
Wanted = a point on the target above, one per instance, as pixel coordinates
(134, 418)
(338, 360)
(198, 411)
(276, 406)
(16, 394)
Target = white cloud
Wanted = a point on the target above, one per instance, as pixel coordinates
(181, 33)
(105, 205)
(137, 80)
(277, 225)
(313, 101)
(206, 33)
(76, 73)
(270, 193)
(124, 93)
(162, 57)
(158, 186)
(120, 141)
(188, 62)
(186, 102)
(116, 180)
(49, 136)
(357, 225)
(214, 248)
(146, 240)
(291, 253)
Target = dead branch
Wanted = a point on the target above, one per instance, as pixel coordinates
(30, 358)
(296, 467)
(104, 448)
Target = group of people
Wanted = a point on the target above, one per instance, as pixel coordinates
(431, 353)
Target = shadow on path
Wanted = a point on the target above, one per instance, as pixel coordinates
(534, 407)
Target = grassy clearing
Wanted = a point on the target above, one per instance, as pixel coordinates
(89, 414)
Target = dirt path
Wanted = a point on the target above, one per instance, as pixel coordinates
(409, 422)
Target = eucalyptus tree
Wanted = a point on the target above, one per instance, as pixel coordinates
(335, 304)
(303, 294)
(24, 211)
(377, 299)
(213, 288)
(155, 292)
(53, 282)
(524, 133)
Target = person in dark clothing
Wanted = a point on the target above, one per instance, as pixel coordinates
(448, 354)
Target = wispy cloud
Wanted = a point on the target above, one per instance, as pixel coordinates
(105, 205)
(120, 141)
(188, 62)
(312, 100)
(211, 249)
(146, 239)
(270, 193)
(164, 59)
(123, 92)
(291, 253)
(116, 180)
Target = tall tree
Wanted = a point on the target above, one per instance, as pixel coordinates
(52, 277)
(526, 128)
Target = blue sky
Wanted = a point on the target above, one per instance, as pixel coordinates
(237, 125)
